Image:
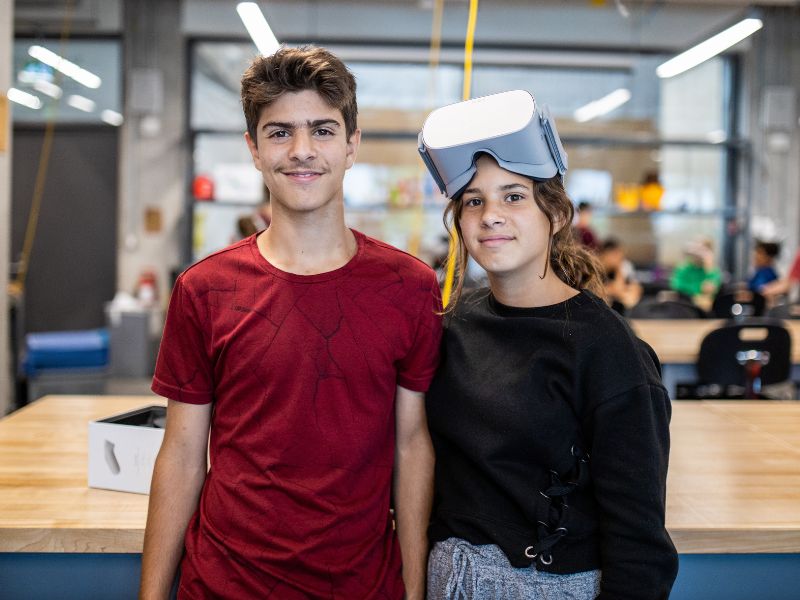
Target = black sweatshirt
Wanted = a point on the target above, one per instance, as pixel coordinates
(551, 431)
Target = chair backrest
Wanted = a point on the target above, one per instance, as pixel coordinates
(785, 311)
(718, 362)
(666, 309)
(735, 304)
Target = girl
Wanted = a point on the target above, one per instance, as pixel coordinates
(548, 416)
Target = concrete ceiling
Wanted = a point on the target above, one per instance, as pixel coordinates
(650, 25)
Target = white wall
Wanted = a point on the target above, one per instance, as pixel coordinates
(153, 148)
(774, 64)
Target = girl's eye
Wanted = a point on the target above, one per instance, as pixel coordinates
(473, 202)
(514, 197)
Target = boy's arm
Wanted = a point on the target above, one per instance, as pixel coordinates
(178, 477)
(413, 488)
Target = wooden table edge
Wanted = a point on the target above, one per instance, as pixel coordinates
(72, 540)
(732, 540)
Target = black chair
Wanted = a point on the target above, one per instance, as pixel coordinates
(737, 304)
(741, 357)
(665, 309)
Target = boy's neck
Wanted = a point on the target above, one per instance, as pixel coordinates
(307, 246)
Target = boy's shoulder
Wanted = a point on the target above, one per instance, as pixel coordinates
(217, 263)
(380, 252)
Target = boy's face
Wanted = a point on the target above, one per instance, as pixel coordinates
(760, 258)
(612, 258)
(302, 151)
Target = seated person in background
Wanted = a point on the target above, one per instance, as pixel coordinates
(764, 255)
(622, 289)
(783, 286)
(697, 276)
(584, 233)
(245, 226)
(257, 221)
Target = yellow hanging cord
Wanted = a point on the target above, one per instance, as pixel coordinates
(41, 173)
(468, 43)
(447, 290)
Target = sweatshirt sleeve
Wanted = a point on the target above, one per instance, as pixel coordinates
(629, 456)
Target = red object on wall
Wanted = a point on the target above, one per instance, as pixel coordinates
(203, 188)
(147, 288)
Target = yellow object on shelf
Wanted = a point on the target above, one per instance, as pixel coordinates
(651, 194)
(627, 196)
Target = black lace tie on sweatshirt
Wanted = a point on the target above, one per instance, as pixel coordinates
(552, 507)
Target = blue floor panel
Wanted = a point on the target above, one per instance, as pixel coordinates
(43, 576)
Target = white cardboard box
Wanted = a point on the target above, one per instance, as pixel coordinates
(123, 449)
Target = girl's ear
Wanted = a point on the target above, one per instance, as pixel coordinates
(559, 222)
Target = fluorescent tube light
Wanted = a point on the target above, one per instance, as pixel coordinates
(68, 68)
(24, 98)
(112, 117)
(47, 88)
(602, 106)
(258, 28)
(81, 103)
(709, 48)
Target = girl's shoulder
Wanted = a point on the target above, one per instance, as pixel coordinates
(612, 351)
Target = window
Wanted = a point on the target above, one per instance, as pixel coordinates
(89, 93)
(389, 194)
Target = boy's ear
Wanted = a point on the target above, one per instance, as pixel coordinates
(352, 148)
(251, 145)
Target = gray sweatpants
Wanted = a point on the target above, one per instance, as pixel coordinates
(457, 570)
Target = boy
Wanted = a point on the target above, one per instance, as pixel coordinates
(306, 351)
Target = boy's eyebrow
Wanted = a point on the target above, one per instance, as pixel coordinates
(309, 124)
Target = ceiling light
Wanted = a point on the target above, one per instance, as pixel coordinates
(717, 136)
(68, 68)
(81, 103)
(24, 98)
(47, 88)
(112, 117)
(709, 48)
(602, 106)
(258, 28)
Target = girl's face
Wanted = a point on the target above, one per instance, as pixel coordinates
(504, 229)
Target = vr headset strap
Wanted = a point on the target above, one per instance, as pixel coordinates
(431, 167)
(552, 141)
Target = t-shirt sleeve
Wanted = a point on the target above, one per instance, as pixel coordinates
(794, 271)
(629, 456)
(415, 370)
(183, 369)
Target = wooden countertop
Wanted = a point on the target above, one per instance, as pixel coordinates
(45, 504)
(734, 482)
(678, 340)
(734, 477)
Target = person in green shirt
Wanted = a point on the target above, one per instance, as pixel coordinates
(697, 275)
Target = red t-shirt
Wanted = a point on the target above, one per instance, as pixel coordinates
(794, 271)
(302, 371)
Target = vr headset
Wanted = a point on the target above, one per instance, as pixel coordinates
(521, 137)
